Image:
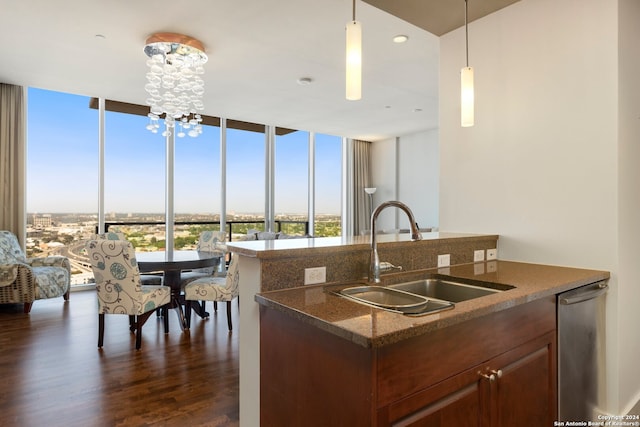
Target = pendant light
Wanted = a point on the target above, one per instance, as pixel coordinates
(466, 82)
(354, 58)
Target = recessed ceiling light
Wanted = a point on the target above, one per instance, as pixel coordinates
(304, 81)
(400, 38)
(417, 110)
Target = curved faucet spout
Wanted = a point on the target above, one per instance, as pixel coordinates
(374, 267)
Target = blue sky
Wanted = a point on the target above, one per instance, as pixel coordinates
(62, 164)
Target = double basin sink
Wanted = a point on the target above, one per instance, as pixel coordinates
(420, 297)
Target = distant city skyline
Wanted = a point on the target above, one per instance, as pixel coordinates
(161, 214)
(62, 165)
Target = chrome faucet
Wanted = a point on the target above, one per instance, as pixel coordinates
(374, 267)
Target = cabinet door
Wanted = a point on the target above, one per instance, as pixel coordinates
(457, 401)
(517, 388)
(526, 385)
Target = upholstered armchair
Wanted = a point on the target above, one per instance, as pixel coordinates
(24, 280)
(214, 289)
(119, 288)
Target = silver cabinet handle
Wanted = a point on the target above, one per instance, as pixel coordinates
(490, 377)
(497, 373)
(585, 296)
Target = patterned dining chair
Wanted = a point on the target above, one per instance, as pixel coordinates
(146, 279)
(119, 288)
(214, 289)
(213, 241)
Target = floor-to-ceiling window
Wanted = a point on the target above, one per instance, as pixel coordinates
(63, 173)
(62, 176)
(196, 185)
(328, 187)
(291, 190)
(245, 180)
(134, 179)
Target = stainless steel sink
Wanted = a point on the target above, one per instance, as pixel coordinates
(450, 289)
(420, 297)
(394, 300)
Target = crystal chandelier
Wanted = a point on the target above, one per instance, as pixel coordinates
(174, 83)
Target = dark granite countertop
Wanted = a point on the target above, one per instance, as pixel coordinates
(372, 327)
(265, 249)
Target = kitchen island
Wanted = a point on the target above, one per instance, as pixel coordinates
(326, 360)
(489, 361)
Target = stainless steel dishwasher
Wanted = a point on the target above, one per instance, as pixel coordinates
(581, 352)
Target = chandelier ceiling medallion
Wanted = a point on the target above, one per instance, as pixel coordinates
(174, 83)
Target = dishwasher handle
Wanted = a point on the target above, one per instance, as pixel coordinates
(585, 296)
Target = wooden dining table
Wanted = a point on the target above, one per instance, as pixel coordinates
(172, 264)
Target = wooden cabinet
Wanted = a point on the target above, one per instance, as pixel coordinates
(515, 388)
(526, 390)
(456, 401)
(496, 370)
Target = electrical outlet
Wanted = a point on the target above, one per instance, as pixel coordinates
(315, 275)
(444, 260)
(478, 255)
(492, 254)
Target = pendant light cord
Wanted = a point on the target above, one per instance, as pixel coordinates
(354, 10)
(466, 31)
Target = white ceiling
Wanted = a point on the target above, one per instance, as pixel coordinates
(257, 50)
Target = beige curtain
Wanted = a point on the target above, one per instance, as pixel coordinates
(361, 179)
(12, 160)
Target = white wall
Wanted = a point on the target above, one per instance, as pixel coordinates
(407, 169)
(384, 158)
(541, 166)
(629, 178)
(249, 329)
(418, 176)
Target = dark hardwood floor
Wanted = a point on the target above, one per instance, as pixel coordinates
(53, 374)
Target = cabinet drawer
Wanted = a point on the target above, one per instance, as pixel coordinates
(414, 364)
